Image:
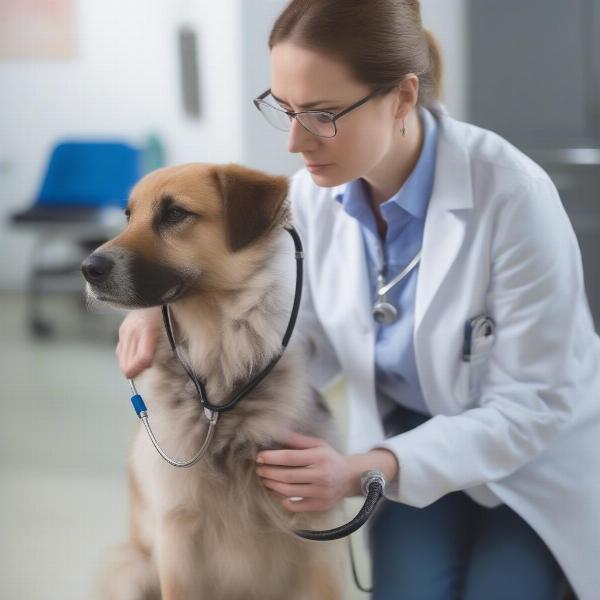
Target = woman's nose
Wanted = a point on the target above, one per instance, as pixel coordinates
(301, 140)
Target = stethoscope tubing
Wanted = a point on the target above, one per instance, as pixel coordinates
(143, 415)
(373, 484)
(382, 291)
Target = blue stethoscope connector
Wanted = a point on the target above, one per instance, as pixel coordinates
(137, 401)
(142, 412)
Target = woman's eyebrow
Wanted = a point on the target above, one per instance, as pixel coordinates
(308, 105)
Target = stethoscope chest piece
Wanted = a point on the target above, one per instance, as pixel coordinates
(385, 313)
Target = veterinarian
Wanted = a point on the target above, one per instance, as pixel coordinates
(474, 384)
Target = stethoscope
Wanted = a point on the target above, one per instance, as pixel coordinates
(383, 311)
(213, 411)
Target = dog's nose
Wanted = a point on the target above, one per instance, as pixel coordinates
(97, 267)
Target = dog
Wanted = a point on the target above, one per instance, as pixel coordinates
(209, 241)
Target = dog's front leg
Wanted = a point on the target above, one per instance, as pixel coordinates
(176, 557)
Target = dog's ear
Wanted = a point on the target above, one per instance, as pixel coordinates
(252, 203)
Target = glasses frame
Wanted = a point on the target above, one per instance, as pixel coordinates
(333, 116)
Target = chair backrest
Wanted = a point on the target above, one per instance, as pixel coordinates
(90, 173)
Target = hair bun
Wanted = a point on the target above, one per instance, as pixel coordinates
(436, 63)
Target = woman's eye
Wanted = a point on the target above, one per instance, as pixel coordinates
(174, 215)
(323, 118)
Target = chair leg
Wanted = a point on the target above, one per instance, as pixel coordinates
(37, 325)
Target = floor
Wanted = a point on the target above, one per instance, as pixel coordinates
(65, 423)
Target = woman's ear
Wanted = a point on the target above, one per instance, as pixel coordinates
(252, 203)
(407, 95)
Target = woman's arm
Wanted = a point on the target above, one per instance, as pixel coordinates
(532, 380)
(378, 459)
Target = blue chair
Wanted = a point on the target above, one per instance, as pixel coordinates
(81, 200)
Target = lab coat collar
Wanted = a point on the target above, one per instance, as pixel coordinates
(338, 190)
(452, 183)
(445, 225)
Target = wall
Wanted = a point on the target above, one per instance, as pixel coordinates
(124, 81)
(263, 146)
(447, 20)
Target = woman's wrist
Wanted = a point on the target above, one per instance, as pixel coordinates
(378, 459)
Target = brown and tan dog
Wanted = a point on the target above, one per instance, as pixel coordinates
(209, 241)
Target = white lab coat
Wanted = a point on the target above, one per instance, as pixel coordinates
(520, 423)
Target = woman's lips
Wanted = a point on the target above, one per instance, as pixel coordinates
(317, 167)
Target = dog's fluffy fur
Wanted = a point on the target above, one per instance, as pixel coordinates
(227, 268)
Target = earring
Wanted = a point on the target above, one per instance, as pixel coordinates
(403, 130)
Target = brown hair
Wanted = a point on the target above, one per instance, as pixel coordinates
(380, 40)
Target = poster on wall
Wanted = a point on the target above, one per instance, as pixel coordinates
(37, 29)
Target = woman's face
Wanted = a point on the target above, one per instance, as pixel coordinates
(305, 79)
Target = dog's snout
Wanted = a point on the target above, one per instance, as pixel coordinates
(97, 267)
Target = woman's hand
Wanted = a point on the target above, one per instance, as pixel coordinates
(316, 475)
(311, 469)
(138, 337)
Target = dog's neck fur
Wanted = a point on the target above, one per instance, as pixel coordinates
(229, 338)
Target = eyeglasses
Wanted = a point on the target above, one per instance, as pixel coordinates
(321, 123)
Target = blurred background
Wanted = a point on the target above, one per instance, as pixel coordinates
(90, 88)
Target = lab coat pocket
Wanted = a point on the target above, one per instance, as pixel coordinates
(478, 363)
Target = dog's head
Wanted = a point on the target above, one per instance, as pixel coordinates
(191, 228)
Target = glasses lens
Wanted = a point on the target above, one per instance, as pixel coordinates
(319, 123)
(274, 116)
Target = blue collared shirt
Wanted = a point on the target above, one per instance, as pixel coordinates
(396, 377)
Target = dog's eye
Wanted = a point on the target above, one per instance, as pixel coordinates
(174, 215)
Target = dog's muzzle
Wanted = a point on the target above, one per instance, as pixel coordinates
(125, 278)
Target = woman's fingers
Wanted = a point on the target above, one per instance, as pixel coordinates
(145, 348)
(303, 451)
(129, 362)
(136, 358)
(305, 477)
(123, 353)
(287, 475)
(287, 458)
(138, 336)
